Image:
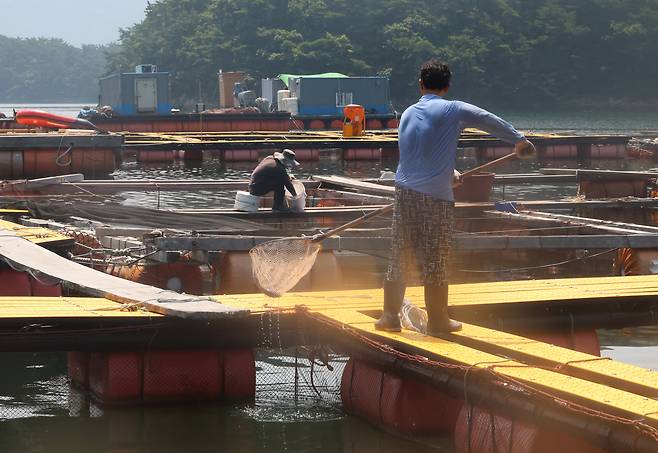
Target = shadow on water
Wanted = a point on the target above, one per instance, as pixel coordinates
(41, 412)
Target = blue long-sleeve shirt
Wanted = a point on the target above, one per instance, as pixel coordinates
(428, 136)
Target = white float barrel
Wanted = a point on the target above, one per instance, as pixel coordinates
(292, 105)
(280, 96)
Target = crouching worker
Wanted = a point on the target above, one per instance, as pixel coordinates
(271, 175)
(423, 214)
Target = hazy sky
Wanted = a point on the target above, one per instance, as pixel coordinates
(75, 21)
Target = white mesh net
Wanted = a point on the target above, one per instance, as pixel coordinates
(280, 264)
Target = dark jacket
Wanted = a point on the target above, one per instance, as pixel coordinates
(270, 175)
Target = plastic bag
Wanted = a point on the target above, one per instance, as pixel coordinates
(413, 317)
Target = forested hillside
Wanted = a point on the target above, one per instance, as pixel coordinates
(527, 52)
(48, 70)
(515, 52)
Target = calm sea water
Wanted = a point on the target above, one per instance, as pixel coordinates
(40, 413)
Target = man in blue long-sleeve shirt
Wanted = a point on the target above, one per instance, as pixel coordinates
(423, 217)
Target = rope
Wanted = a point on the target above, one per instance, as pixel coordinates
(542, 266)
(59, 159)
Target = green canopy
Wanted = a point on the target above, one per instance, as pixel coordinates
(285, 78)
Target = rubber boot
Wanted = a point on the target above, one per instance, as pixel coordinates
(393, 297)
(436, 304)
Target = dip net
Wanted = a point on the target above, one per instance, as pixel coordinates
(278, 265)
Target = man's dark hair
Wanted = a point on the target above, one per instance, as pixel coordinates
(435, 75)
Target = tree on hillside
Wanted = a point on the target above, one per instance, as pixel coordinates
(49, 70)
(528, 51)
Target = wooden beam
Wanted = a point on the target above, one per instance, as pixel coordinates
(600, 174)
(462, 242)
(582, 222)
(352, 183)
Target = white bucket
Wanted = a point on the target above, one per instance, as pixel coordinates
(298, 202)
(244, 201)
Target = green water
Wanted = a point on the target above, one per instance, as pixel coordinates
(40, 413)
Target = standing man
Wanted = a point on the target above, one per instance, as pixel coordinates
(423, 217)
(271, 174)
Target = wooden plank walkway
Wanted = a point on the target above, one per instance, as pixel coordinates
(44, 308)
(601, 384)
(590, 394)
(330, 139)
(37, 235)
(550, 292)
(24, 254)
(607, 385)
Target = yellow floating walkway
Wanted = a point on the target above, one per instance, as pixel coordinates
(585, 290)
(37, 235)
(44, 308)
(590, 394)
(474, 344)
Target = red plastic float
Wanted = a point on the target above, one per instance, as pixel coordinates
(125, 378)
(15, 283)
(362, 154)
(403, 404)
(374, 124)
(479, 430)
(316, 124)
(182, 276)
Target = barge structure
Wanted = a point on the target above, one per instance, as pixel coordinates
(505, 366)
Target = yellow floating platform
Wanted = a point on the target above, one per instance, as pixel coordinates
(44, 308)
(507, 292)
(590, 380)
(37, 235)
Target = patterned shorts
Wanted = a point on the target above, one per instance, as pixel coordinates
(421, 237)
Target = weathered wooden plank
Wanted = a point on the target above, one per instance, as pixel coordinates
(581, 222)
(600, 174)
(365, 187)
(22, 254)
(462, 242)
(624, 226)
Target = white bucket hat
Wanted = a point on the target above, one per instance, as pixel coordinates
(287, 158)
